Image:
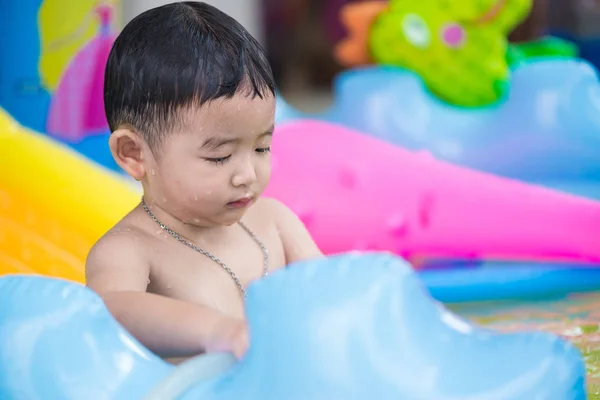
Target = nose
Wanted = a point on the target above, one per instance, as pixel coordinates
(245, 173)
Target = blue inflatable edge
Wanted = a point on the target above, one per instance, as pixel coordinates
(508, 282)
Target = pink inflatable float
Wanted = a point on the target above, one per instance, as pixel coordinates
(355, 192)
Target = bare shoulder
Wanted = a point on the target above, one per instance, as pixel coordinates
(119, 260)
(296, 239)
(273, 209)
(121, 241)
(276, 212)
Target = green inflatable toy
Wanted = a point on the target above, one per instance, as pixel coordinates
(460, 49)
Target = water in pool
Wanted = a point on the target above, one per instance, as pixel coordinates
(575, 317)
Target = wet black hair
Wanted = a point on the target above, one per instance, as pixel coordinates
(179, 55)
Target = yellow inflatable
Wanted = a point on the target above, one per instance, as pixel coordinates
(54, 204)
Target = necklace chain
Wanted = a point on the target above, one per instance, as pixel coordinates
(212, 256)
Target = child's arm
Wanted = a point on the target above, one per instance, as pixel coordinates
(297, 242)
(119, 272)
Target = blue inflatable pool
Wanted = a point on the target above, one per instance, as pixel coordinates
(351, 326)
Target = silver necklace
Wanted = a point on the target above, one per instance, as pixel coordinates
(210, 255)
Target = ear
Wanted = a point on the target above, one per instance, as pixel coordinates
(128, 150)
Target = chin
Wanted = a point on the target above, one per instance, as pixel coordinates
(231, 220)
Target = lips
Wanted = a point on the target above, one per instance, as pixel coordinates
(240, 203)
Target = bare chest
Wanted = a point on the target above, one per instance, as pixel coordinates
(181, 272)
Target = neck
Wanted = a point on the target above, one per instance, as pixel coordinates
(195, 230)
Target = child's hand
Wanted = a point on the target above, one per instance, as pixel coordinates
(230, 335)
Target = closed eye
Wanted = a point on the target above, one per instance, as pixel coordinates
(263, 150)
(218, 160)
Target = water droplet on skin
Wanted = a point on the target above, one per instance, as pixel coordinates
(195, 198)
(159, 232)
(148, 282)
(152, 172)
(169, 287)
(164, 199)
(196, 220)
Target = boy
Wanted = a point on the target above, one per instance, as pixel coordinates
(190, 100)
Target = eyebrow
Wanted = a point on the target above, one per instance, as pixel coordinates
(214, 143)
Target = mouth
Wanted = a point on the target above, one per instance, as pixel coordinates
(241, 202)
(492, 13)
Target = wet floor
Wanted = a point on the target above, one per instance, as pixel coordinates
(576, 318)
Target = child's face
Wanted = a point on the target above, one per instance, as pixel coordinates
(211, 169)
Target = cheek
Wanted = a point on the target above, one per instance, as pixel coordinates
(203, 194)
(203, 186)
(177, 179)
(264, 171)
